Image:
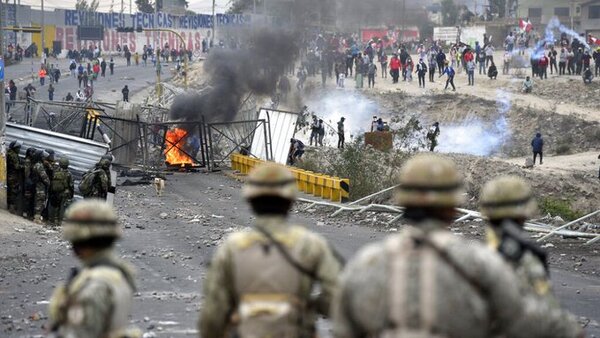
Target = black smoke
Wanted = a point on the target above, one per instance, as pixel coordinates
(254, 67)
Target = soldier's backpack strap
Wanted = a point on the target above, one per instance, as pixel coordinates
(286, 255)
(118, 267)
(443, 254)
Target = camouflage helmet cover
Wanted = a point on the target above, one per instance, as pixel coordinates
(507, 197)
(428, 180)
(270, 179)
(90, 218)
(64, 163)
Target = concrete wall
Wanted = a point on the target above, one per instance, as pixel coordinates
(548, 7)
(591, 26)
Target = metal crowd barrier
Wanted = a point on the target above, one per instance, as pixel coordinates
(327, 187)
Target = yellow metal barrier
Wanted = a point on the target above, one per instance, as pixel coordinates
(332, 188)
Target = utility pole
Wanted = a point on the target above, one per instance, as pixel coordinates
(403, 21)
(3, 188)
(122, 6)
(214, 23)
(43, 40)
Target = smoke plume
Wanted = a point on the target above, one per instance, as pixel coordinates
(474, 136)
(254, 68)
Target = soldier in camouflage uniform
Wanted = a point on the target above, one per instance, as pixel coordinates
(42, 183)
(14, 177)
(508, 202)
(28, 183)
(101, 181)
(61, 192)
(260, 282)
(426, 282)
(95, 302)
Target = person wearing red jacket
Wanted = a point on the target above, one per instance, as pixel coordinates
(395, 68)
(543, 67)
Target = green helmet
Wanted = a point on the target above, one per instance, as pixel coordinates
(104, 163)
(90, 218)
(270, 179)
(428, 180)
(64, 163)
(507, 197)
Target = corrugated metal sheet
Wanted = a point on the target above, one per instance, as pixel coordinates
(83, 154)
(282, 125)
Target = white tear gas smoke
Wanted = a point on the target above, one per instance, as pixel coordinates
(549, 38)
(476, 137)
(355, 107)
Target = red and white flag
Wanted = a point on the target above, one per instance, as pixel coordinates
(526, 26)
(593, 40)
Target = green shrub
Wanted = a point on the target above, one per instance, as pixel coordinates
(557, 207)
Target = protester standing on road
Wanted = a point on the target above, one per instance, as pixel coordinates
(103, 68)
(51, 92)
(471, 72)
(449, 71)
(371, 72)
(125, 92)
(111, 66)
(42, 75)
(395, 68)
(537, 145)
(340, 131)
(274, 277)
(421, 70)
(562, 61)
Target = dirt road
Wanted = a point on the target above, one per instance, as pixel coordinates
(170, 240)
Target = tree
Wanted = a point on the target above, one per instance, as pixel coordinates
(145, 6)
(498, 7)
(449, 13)
(83, 5)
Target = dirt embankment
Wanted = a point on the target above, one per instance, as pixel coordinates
(563, 134)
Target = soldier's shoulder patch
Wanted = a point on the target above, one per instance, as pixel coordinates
(541, 287)
(75, 315)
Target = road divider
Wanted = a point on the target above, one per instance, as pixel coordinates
(319, 185)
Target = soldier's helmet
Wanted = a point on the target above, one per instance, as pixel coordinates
(270, 179)
(16, 144)
(64, 163)
(507, 197)
(30, 151)
(107, 157)
(428, 180)
(88, 219)
(45, 155)
(51, 154)
(104, 163)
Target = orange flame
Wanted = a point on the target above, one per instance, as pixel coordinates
(175, 140)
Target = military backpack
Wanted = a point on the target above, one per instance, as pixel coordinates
(87, 182)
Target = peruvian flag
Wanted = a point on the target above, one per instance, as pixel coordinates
(525, 26)
(593, 40)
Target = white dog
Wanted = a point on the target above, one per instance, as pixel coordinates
(159, 186)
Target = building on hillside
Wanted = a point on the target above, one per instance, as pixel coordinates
(590, 17)
(541, 11)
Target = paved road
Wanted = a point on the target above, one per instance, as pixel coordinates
(171, 252)
(107, 89)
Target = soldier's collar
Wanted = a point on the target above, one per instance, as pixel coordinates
(101, 255)
(270, 221)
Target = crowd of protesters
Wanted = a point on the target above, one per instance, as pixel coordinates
(345, 57)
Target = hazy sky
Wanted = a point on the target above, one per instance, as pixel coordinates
(199, 6)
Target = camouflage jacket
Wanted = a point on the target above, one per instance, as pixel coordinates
(101, 184)
(40, 176)
(14, 168)
(235, 276)
(426, 282)
(62, 183)
(96, 302)
(535, 282)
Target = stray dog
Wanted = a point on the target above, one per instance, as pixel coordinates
(159, 186)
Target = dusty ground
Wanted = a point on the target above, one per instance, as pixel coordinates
(171, 239)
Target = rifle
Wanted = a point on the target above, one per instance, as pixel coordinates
(513, 245)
